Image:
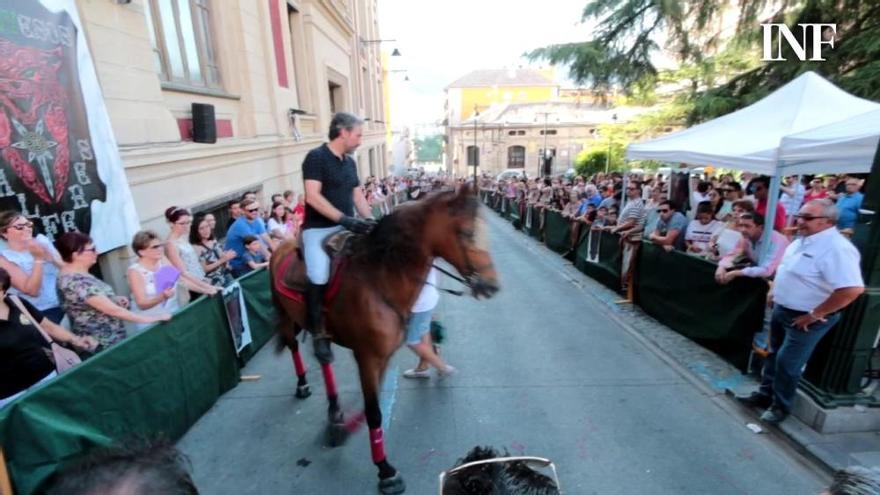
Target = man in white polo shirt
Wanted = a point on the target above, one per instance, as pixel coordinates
(820, 274)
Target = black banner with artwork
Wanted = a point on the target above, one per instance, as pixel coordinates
(48, 168)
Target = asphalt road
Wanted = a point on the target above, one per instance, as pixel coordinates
(543, 371)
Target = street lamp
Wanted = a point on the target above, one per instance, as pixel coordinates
(476, 150)
(394, 53)
(405, 78)
(545, 153)
(608, 156)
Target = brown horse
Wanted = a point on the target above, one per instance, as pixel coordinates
(379, 283)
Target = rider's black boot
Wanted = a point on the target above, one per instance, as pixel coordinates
(315, 322)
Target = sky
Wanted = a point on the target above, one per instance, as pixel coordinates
(441, 41)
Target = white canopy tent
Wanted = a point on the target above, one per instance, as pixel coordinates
(821, 121)
(840, 147)
(749, 139)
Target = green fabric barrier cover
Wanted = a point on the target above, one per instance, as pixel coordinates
(535, 228)
(377, 212)
(680, 291)
(514, 215)
(262, 315)
(606, 268)
(496, 202)
(557, 231)
(159, 382)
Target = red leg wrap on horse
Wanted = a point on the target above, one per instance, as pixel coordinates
(298, 364)
(329, 379)
(377, 444)
(354, 423)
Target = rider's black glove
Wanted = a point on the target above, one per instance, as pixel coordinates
(357, 225)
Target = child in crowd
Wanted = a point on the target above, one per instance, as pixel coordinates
(253, 256)
(601, 218)
(611, 219)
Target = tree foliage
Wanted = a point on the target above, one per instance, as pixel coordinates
(594, 160)
(429, 148)
(718, 70)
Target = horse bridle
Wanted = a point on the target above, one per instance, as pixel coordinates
(463, 237)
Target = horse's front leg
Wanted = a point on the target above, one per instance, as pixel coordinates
(371, 371)
(302, 385)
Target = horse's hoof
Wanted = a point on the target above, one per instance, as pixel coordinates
(303, 391)
(336, 417)
(392, 485)
(337, 435)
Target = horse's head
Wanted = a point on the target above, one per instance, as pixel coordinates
(461, 238)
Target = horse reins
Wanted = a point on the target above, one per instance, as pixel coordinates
(453, 277)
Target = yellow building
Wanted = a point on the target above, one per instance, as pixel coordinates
(274, 71)
(481, 89)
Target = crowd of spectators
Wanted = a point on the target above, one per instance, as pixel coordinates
(698, 216)
(57, 285)
(719, 218)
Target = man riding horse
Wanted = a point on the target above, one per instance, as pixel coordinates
(332, 194)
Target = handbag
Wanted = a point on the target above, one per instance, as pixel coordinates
(63, 357)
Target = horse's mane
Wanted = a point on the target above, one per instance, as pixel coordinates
(395, 239)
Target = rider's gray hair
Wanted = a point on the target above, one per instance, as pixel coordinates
(855, 480)
(829, 209)
(343, 120)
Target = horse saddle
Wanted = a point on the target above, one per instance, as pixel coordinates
(293, 273)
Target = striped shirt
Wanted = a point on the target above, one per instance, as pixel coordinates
(634, 209)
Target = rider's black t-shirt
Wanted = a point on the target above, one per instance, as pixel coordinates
(338, 179)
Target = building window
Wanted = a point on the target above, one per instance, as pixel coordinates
(520, 133)
(511, 133)
(473, 156)
(183, 43)
(516, 157)
(549, 132)
(335, 97)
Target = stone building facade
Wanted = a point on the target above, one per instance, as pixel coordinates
(274, 70)
(515, 135)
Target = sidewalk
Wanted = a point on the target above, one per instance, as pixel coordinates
(714, 376)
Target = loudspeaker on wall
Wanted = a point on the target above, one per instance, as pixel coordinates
(204, 128)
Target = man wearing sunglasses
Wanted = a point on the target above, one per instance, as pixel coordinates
(819, 276)
(670, 228)
(247, 224)
(333, 192)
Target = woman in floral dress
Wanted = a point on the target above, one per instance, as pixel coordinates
(94, 309)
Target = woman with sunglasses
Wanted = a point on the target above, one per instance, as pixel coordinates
(37, 263)
(146, 298)
(214, 260)
(94, 309)
(182, 254)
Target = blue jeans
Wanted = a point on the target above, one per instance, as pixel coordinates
(792, 349)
